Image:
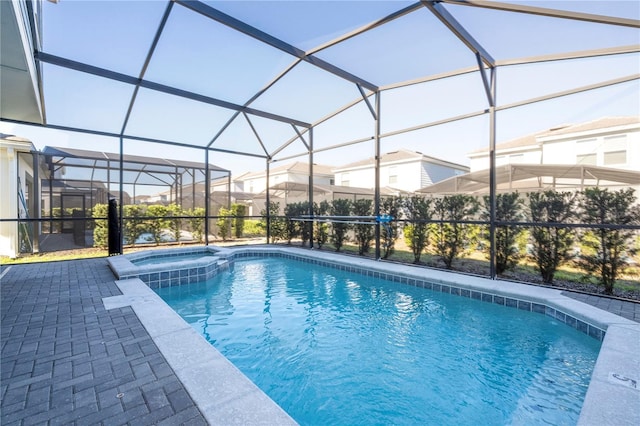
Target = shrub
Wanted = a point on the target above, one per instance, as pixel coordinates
(418, 211)
(224, 223)
(508, 209)
(608, 246)
(339, 207)
(363, 233)
(157, 221)
(453, 238)
(551, 243)
(293, 227)
(253, 228)
(133, 223)
(101, 230)
(175, 223)
(390, 206)
(273, 222)
(321, 229)
(196, 223)
(238, 211)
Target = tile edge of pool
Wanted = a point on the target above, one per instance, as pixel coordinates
(613, 392)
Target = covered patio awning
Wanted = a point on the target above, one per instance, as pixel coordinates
(535, 177)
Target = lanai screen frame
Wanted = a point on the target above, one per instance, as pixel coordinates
(486, 66)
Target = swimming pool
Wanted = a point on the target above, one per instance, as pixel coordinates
(334, 347)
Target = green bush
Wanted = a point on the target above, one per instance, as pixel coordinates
(101, 229)
(253, 228)
(607, 247)
(390, 206)
(364, 233)
(224, 222)
(321, 229)
(452, 238)
(157, 221)
(509, 208)
(340, 207)
(196, 223)
(175, 222)
(238, 211)
(418, 212)
(551, 243)
(134, 224)
(272, 223)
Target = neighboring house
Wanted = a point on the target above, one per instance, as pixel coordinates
(607, 142)
(298, 172)
(603, 152)
(402, 170)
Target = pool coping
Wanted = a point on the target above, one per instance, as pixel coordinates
(612, 397)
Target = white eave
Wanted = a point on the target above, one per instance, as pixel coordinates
(18, 73)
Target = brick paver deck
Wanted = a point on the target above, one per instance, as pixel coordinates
(66, 360)
(629, 310)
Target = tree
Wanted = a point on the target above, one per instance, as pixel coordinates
(509, 208)
(453, 238)
(340, 207)
(418, 211)
(389, 206)
(607, 246)
(551, 241)
(364, 233)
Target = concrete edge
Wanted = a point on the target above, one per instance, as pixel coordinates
(223, 394)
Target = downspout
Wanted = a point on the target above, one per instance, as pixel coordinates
(492, 176)
(376, 196)
(310, 212)
(268, 209)
(206, 197)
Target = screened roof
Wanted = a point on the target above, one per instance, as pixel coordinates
(252, 77)
(85, 165)
(534, 177)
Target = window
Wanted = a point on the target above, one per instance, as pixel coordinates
(615, 157)
(615, 150)
(586, 159)
(393, 175)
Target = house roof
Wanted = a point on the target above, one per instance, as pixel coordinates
(533, 140)
(400, 156)
(534, 177)
(297, 167)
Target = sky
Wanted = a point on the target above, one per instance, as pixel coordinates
(202, 56)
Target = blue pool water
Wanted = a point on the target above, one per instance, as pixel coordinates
(332, 347)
